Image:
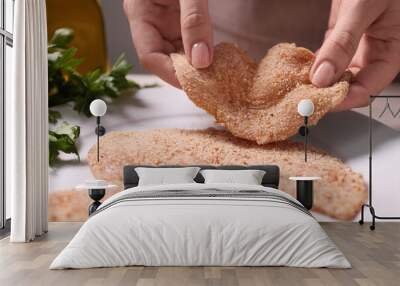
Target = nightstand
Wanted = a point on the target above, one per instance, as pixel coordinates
(304, 190)
(96, 190)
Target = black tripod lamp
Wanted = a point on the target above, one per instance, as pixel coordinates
(98, 108)
(305, 108)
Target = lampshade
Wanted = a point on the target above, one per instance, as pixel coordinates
(305, 107)
(98, 107)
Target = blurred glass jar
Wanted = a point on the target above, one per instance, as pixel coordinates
(86, 19)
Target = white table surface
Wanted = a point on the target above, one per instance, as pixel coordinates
(304, 178)
(161, 107)
(344, 135)
(93, 187)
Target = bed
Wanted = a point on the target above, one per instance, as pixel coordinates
(201, 224)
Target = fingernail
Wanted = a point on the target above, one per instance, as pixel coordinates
(324, 75)
(200, 55)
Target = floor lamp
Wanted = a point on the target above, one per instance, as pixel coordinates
(369, 205)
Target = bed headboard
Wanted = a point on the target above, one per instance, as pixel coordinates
(271, 177)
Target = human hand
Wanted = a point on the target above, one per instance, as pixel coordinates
(161, 27)
(363, 35)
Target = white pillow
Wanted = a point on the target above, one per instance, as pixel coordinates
(248, 177)
(164, 176)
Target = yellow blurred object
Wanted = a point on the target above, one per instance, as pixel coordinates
(86, 19)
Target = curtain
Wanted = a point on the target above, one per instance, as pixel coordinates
(27, 123)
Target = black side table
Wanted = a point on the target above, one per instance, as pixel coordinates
(96, 191)
(96, 195)
(304, 190)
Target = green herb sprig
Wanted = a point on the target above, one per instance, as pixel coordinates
(67, 85)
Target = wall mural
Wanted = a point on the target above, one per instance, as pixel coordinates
(147, 122)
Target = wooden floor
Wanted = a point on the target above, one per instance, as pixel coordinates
(375, 257)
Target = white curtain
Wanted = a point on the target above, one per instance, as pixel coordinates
(27, 123)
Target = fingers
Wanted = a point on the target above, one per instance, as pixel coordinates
(153, 51)
(161, 65)
(337, 51)
(196, 32)
(370, 80)
(334, 13)
(335, 5)
(357, 97)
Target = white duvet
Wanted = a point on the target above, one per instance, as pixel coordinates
(188, 231)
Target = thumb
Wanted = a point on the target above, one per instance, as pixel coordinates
(340, 46)
(196, 32)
